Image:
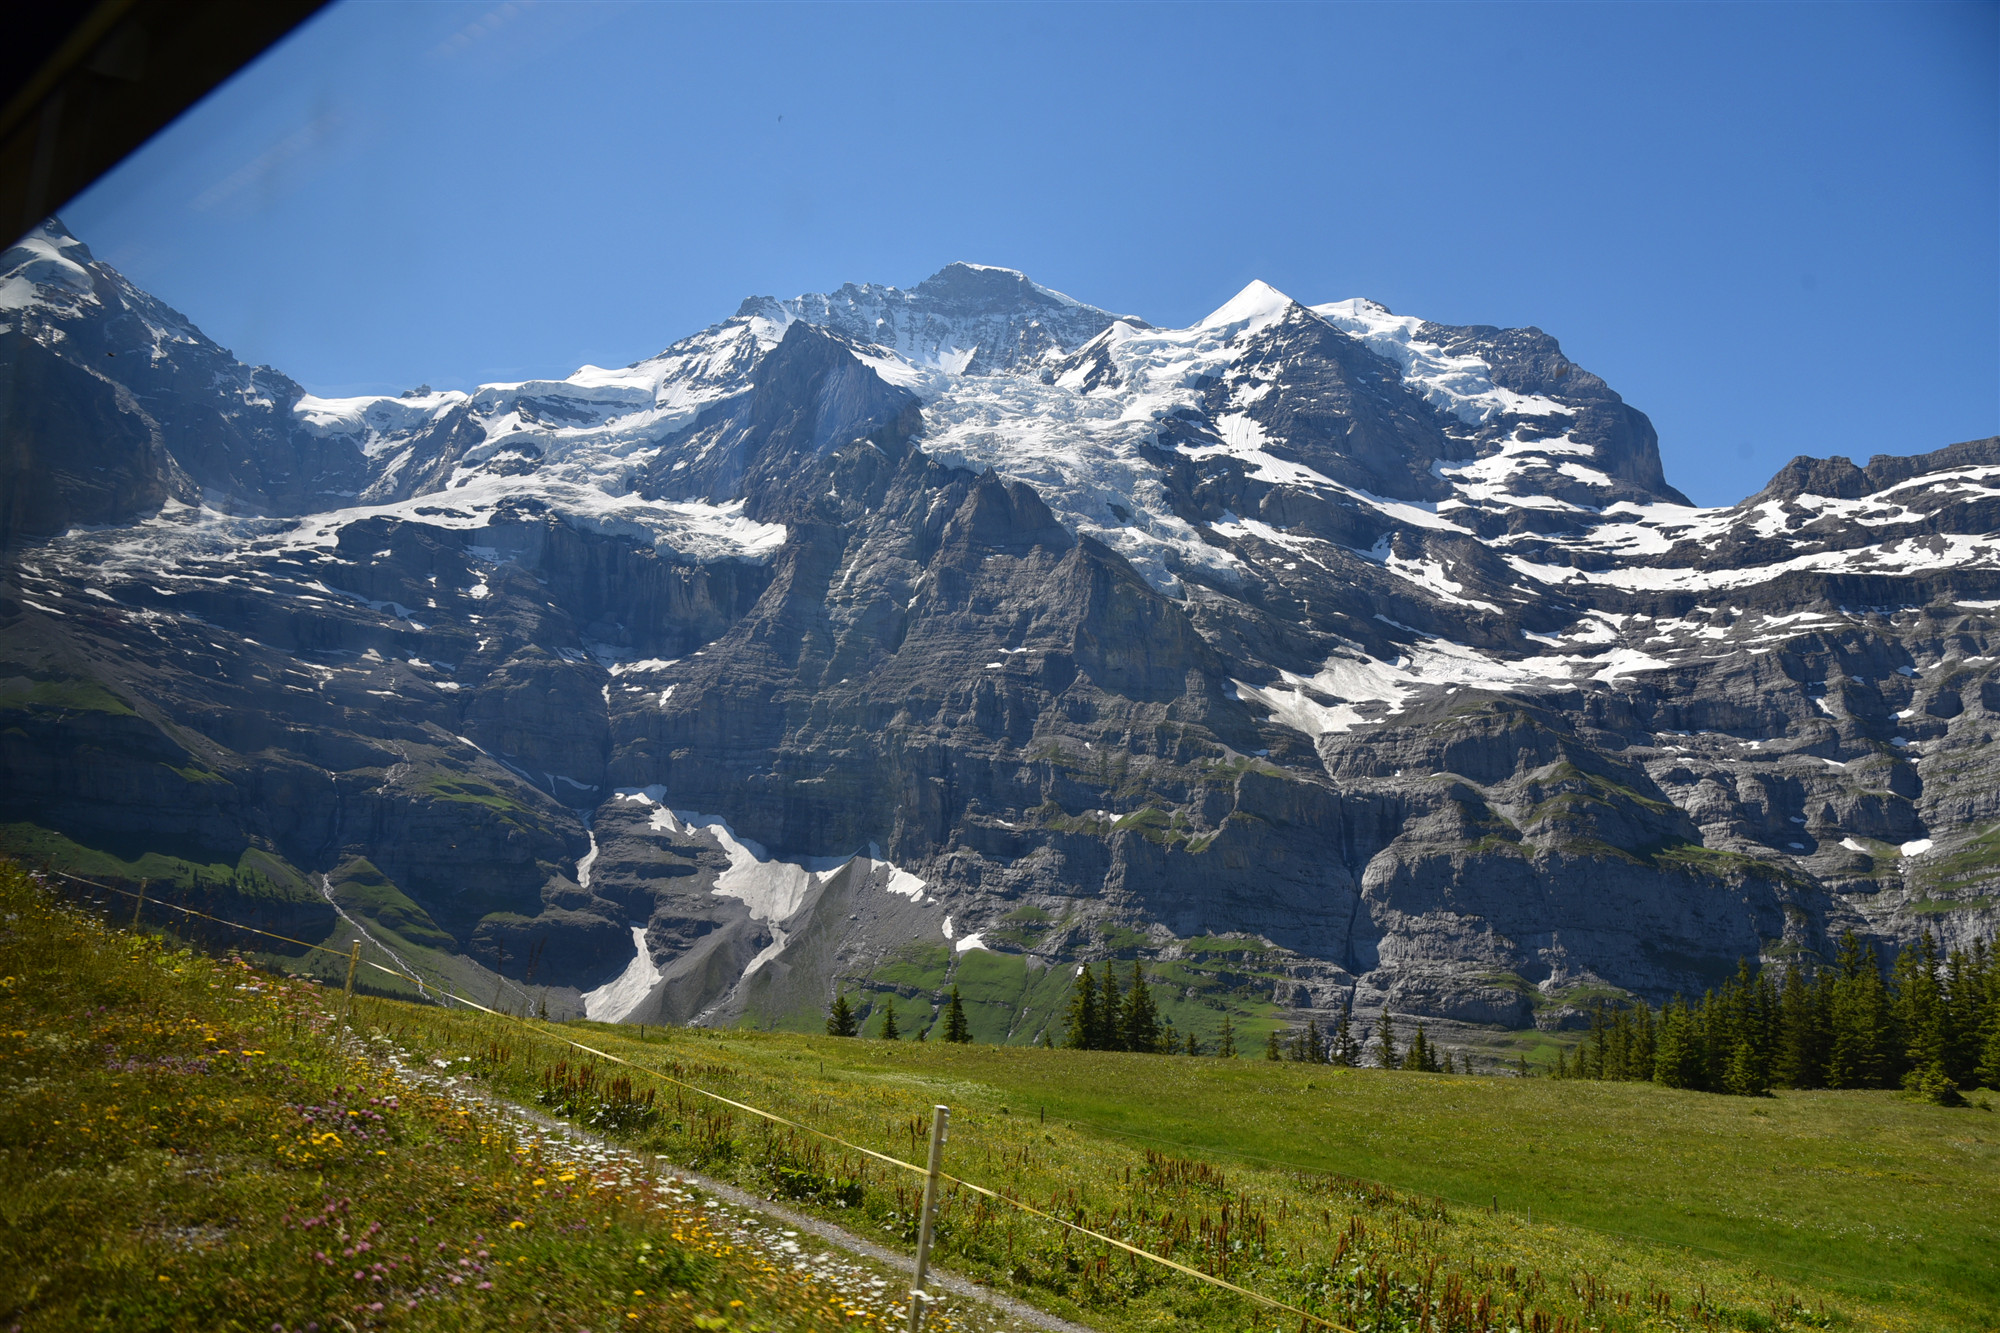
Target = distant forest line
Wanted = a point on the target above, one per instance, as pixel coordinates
(1930, 1027)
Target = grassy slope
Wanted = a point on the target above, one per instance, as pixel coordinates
(185, 1144)
(1013, 999)
(260, 880)
(256, 873)
(1883, 1211)
(1866, 1189)
(1880, 1208)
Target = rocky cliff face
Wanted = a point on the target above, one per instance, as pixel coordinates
(885, 639)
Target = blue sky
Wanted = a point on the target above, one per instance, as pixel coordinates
(1773, 227)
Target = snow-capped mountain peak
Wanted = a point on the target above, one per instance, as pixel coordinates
(963, 319)
(48, 266)
(1438, 432)
(1459, 382)
(1021, 380)
(52, 272)
(1256, 306)
(374, 421)
(992, 286)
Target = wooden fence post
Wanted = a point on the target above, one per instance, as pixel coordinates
(353, 961)
(939, 1115)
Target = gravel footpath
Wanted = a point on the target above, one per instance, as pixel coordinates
(869, 1275)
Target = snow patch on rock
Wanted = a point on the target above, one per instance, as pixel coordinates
(622, 994)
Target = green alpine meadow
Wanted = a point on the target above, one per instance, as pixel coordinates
(201, 1141)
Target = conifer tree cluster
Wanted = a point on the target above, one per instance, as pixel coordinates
(843, 1021)
(1313, 1045)
(1339, 1045)
(1933, 1027)
(1103, 1018)
(1309, 1045)
(1426, 1056)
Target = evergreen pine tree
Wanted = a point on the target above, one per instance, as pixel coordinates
(955, 1027)
(1110, 1034)
(1801, 1047)
(1764, 1027)
(1917, 1015)
(840, 1020)
(1141, 1019)
(1562, 1064)
(1083, 1024)
(1822, 994)
(1271, 1051)
(1315, 1044)
(1964, 1012)
(1987, 1073)
(1677, 1061)
(1193, 1046)
(1860, 1019)
(1594, 1056)
(1618, 1045)
(1422, 1056)
(1989, 1057)
(890, 1031)
(1225, 1048)
(1745, 1074)
(1645, 1043)
(1932, 1084)
(1340, 1050)
(1385, 1041)
(1722, 1024)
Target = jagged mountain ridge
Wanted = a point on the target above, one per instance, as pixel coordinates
(963, 319)
(1366, 637)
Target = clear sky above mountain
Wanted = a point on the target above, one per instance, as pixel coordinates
(1774, 228)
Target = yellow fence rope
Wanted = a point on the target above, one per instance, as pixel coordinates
(1267, 1301)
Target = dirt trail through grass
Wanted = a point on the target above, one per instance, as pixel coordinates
(564, 1144)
